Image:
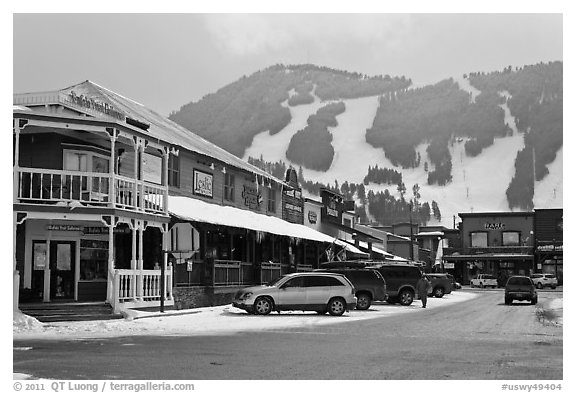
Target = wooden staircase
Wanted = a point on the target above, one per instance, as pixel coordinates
(69, 311)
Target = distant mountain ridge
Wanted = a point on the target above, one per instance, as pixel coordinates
(437, 116)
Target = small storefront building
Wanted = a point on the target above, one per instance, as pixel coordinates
(496, 243)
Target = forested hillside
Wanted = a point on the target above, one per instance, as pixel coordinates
(435, 114)
(311, 146)
(330, 120)
(233, 115)
(536, 103)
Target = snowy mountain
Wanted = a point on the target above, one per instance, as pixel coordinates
(477, 181)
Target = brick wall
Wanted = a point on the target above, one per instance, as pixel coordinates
(194, 297)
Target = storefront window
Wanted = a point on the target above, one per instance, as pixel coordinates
(93, 260)
(510, 238)
(271, 200)
(174, 171)
(479, 239)
(229, 187)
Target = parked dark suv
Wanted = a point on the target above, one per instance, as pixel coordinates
(401, 279)
(368, 283)
(441, 283)
(520, 288)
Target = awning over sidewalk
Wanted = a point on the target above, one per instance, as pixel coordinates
(190, 209)
(385, 254)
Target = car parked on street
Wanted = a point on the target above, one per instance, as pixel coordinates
(368, 283)
(484, 280)
(455, 284)
(401, 280)
(520, 288)
(311, 291)
(542, 280)
(440, 284)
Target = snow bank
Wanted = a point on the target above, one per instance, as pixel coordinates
(221, 320)
(23, 322)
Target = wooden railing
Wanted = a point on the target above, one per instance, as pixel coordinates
(140, 287)
(44, 185)
(89, 188)
(304, 268)
(226, 272)
(269, 271)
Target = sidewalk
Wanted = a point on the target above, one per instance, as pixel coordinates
(209, 321)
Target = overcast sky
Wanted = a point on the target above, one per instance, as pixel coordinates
(167, 60)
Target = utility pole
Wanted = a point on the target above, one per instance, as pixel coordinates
(411, 236)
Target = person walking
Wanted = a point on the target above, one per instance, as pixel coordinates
(422, 288)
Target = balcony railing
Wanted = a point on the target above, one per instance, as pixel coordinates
(89, 188)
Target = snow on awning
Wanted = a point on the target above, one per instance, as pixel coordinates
(349, 247)
(190, 209)
(383, 253)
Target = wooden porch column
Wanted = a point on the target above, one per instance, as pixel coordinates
(165, 243)
(110, 293)
(16, 274)
(46, 295)
(112, 185)
(140, 268)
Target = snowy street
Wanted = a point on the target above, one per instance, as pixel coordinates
(469, 334)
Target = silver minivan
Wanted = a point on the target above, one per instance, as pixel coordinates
(313, 291)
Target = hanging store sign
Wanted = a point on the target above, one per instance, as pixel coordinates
(252, 198)
(293, 205)
(58, 227)
(203, 183)
(103, 230)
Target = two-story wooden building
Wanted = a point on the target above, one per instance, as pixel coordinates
(113, 202)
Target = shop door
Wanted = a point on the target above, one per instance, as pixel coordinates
(62, 261)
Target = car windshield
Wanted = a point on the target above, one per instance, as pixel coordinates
(519, 281)
(275, 281)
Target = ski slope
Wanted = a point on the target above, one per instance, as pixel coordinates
(479, 183)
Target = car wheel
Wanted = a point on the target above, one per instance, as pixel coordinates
(534, 301)
(364, 302)
(553, 286)
(336, 307)
(262, 306)
(481, 285)
(438, 292)
(406, 297)
(539, 286)
(471, 285)
(507, 300)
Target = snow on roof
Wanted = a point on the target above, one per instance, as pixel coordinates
(191, 209)
(433, 233)
(389, 234)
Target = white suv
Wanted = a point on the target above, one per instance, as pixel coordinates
(484, 280)
(315, 291)
(542, 280)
